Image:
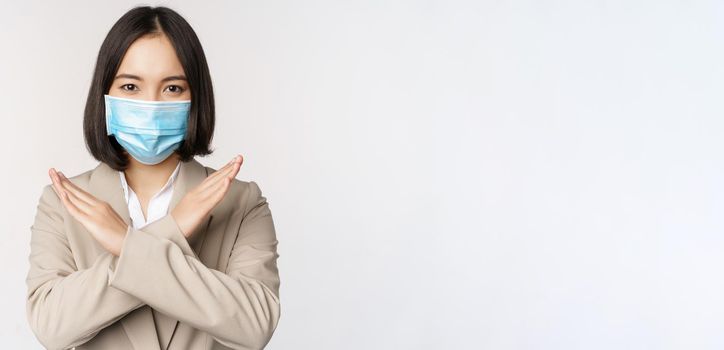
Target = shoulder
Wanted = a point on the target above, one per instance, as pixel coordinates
(81, 180)
(50, 207)
(242, 195)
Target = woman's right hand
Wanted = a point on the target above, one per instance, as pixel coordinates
(198, 202)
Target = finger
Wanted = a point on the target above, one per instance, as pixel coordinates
(66, 189)
(211, 179)
(218, 195)
(215, 193)
(219, 183)
(225, 168)
(218, 192)
(77, 191)
(55, 182)
(218, 175)
(58, 184)
(77, 213)
(237, 159)
(79, 203)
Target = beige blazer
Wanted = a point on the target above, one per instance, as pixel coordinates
(217, 290)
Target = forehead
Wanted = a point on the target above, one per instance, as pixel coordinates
(151, 57)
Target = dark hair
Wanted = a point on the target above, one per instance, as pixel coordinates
(137, 22)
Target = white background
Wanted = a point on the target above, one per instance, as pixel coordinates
(442, 174)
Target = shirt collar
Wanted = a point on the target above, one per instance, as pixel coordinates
(169, 182)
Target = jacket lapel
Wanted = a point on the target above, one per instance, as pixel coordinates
(105, 184)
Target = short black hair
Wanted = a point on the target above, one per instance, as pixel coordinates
(135, 23)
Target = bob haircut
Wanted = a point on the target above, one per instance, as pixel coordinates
(137, 22)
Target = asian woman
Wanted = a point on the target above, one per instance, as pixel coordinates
(151, 249)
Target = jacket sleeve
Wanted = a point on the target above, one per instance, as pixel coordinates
(65, 306)
(238, 307)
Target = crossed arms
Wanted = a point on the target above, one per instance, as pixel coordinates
(238, 307)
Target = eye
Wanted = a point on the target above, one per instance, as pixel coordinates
(176, 89)
(123, 87)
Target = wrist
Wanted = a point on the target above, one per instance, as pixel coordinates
(120, 238)
(179, 225)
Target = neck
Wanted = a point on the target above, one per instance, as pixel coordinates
(148, 179)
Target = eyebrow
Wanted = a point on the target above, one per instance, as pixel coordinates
(136, 77)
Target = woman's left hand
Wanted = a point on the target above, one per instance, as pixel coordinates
(98, 217)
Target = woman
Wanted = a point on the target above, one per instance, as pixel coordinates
(151, 249)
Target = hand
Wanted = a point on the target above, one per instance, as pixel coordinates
(97, 216)
(198, 202)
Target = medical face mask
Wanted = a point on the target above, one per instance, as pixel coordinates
(149, 130)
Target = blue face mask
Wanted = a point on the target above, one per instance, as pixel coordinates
(149, 130)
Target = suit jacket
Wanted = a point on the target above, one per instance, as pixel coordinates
(219, 289)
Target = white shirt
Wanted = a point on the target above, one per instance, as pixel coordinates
(157, 205)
